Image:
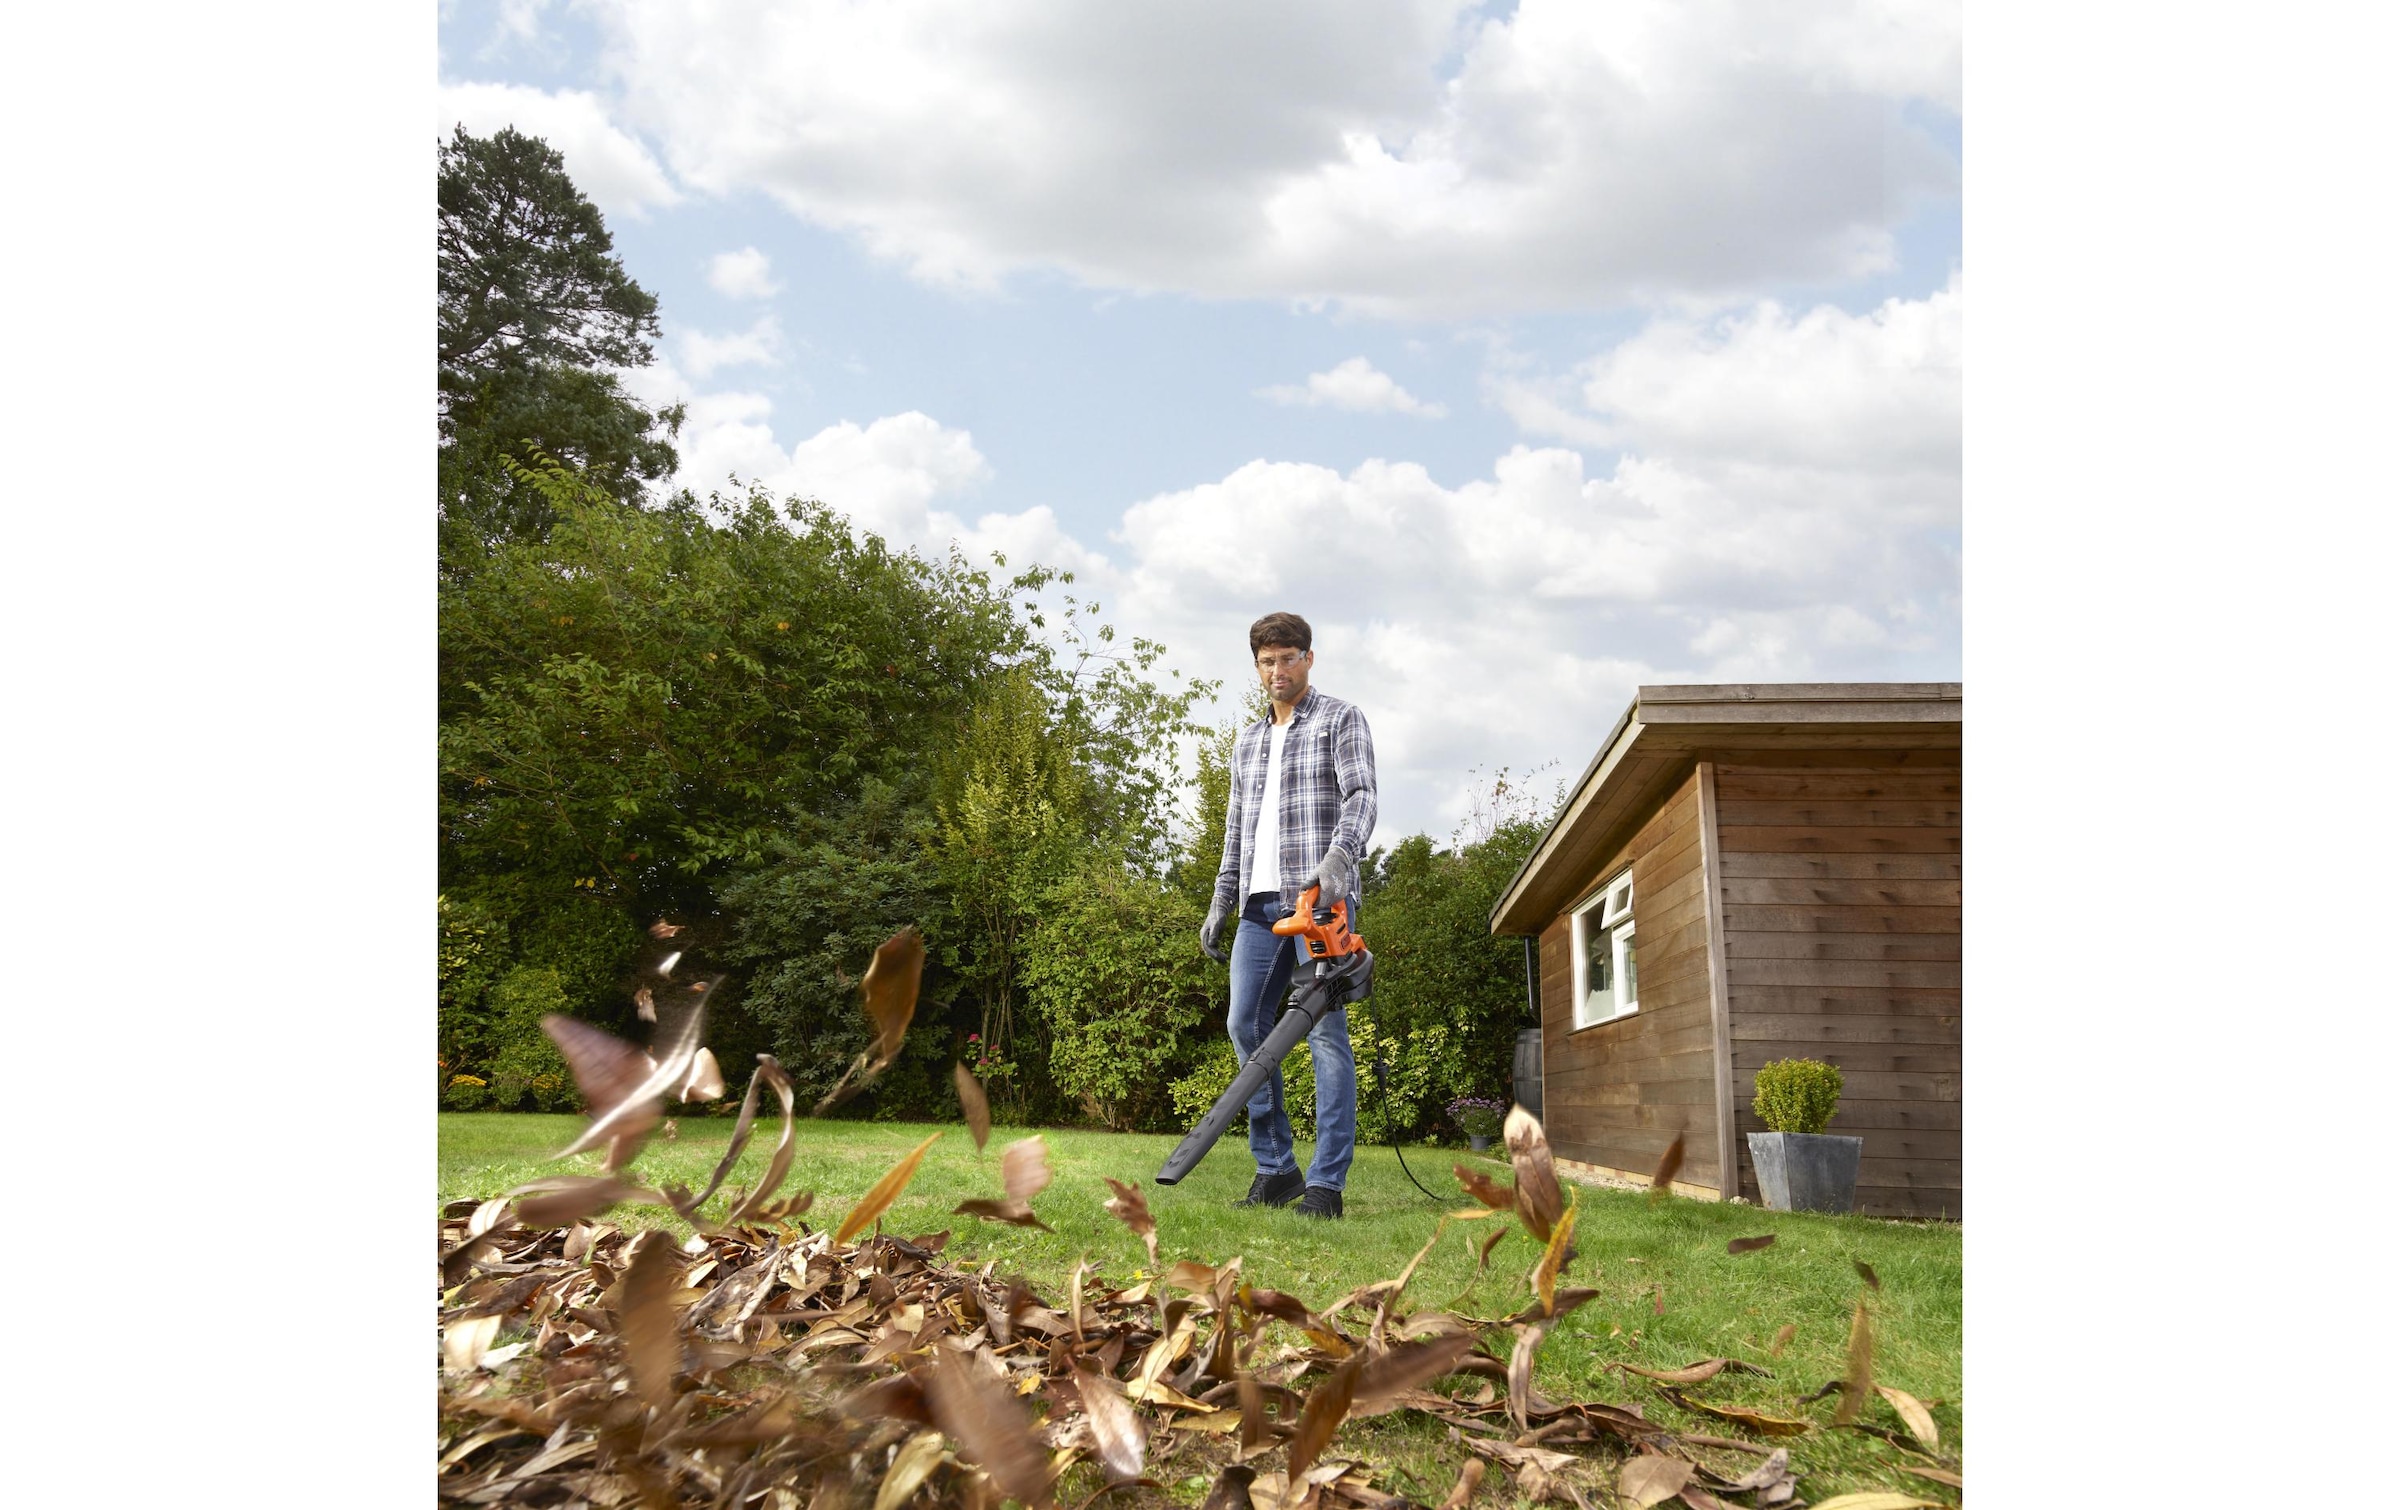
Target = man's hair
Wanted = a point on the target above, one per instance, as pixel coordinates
(1283, 629)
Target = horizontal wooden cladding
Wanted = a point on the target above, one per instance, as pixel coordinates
(1743, 783)
(1813, 839)
(1835, 814)
(1943, 755)
(1840, 919)
(1849, 1001)
(1636, 1152)
(1616, 1042)
(1806, 891)
(1854, 1058)
(1816, 1031)
(1860, 1116)
(1841, 972)
(1843, 867)
(1885, 948)
(1867, 1085)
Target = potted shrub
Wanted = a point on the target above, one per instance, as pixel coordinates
(1479, 1118)
(1799, 1167)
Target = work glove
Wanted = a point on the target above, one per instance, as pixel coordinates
(1337, 877)
(1212, 931)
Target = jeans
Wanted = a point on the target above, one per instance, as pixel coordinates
(1262, 973)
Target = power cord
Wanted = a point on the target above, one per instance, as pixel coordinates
(1383, 1088)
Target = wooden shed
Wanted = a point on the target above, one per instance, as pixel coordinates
(1747, 873)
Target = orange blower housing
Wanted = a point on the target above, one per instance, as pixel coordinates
(1326, 929)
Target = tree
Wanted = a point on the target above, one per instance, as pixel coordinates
(535, 315)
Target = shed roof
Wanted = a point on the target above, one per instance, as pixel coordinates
(1667, 728)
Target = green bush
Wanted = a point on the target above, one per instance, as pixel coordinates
(1113, 971)
(1797, 1095)
(526, 1065)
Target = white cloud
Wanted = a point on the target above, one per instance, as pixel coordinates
(616, 171)
(759, 346)
(1575, 155)
(1357, 386)
(742, 275)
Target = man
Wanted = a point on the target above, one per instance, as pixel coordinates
(1301, 807)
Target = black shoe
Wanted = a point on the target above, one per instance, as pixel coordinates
(1322, 1201)
(1274, 1189)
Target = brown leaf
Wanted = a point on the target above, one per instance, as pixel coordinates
(990, 1428)
(915, 1460)
(890, 990)
(645, 1006)
(1662, 1181)
(1866, 1271)
(1470, 1474)
(646, 1319)
(1328, 1404)
(1007, 1209)
(1773, 1471)
(563, 1200)
(1652, 1477)
(1129, 1207)
(1520, 1371)
(1397, 1370)
(1538, 1199)
(662, 929)
(1878, 1499)
(1783, 1339)
(705, 1082)
(1545, 1273)
(689, 1206)
(779, 1163)
(1939, 1476)
(1691, 1373)
(1190, 1274)
(974, 1103)
(1232, 1489)
(1119, 1436)
(1742, 1245)
(1254, 1411)
(1773, 1426)
(1025, 1168)
(1484, 1188)
(884, 1192)
(1858, 1375)
(1913, 1415)
(623, 1091)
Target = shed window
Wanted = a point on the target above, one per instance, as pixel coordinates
(1604, 962)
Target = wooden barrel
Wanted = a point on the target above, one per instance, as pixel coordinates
(1529, 1070)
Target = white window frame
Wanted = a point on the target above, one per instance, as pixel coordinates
(1610, 909)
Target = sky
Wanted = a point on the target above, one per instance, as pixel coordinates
(1531, 352)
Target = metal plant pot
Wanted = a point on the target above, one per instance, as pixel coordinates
(1806, 1171)
(1479, 1142)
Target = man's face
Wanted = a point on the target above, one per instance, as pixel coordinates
(1283, 671)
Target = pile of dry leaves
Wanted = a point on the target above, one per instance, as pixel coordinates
(762, 1362)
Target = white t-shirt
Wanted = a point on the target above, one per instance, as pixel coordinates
(1265, 873)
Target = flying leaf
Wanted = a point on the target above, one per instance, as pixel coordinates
(1913, 1415)
(689, 1206)
(885, 1191)
(1025, 1168)
(1007, 1209)
(1190, 1274)
(1783, 1339)
(972, 1101)
(1129, 1207)
(1858, 1375)
(1866, 1271)
(890, 990)
(779, 1163)
(1652, 1477)
(623, 1107)
(566, 1199)
(705, 1082)
(1662, 1181)
(646, 1318)
(976, 1412)
(1545, 1273)
(1397, 1370)
(1328, 1404)
(645, 1006)
(1254, 1411)
(1538, 1198)
(1742, 1245)
(1877, 1499)
(662, 929)
(1520, 1371)
(1118, 1435)
(910, 1466)
(1484, 1188)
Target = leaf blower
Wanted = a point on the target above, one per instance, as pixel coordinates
(1344, 972)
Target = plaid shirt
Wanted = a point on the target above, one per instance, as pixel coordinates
(1327, 795)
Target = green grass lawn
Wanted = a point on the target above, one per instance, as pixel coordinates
(1638, 1253)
